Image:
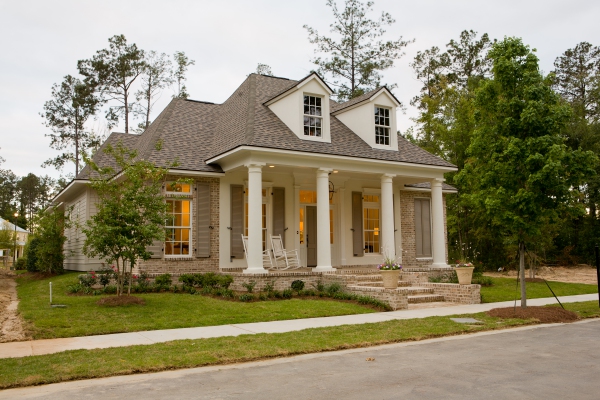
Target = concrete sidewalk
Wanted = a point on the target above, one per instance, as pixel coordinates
(49, 346)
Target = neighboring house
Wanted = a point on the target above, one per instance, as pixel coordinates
(279, 157)
(22, 236)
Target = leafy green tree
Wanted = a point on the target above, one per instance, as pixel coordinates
(49, 229)
(113, 71)
(131, 211)
(577, 80)
(7, 236)
(357, 56)
(31, 254)
(182, 62)
(34, 194)
(158, 74)
(520, 170)
(73, 103)
(8, 193)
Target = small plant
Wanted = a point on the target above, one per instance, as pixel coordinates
(249, 286)
(225, 281)
(389, 264)
(287, 294)
(297, 285)
(269, 288)
(104, 279)
(333, 288)
(88, 280)
(246, 297)
(188, 280)
(263, 297)
(21, 264)
(163, 281)
(320, 286)
(110, 289)
(462, 264)
(75, 288)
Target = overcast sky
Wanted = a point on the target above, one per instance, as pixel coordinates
(42, 41)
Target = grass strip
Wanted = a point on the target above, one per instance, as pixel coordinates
(87, 364)
(505, 289)
(83, 317)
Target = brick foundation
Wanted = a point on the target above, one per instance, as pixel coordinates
(396, 298)
(454, 293)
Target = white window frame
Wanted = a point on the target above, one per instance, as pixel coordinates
(321, 117)
(180, 196)
(384, 127)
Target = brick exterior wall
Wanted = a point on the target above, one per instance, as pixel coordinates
(464, 294)
(192, 264)
(396, 298)
(408, 234)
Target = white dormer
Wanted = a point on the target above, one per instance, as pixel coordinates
(373, 120)
(304, 108)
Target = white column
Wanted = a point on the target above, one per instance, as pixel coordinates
(398, 225)
(437, 214)
(341, 239)
(323, 245)
(255, 257)
(388, 244)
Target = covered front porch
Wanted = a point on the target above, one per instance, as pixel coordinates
(337, 212)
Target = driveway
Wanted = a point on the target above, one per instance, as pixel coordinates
(540, 362)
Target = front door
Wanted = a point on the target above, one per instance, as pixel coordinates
(311, 236)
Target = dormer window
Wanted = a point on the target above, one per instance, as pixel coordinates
(382, 126)
(313, 116)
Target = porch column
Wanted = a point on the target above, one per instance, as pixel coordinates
(388, 245)
(255, 257)
(323, 245)
(437, 216)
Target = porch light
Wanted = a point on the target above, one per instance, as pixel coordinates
(335, 171)
(271, 166)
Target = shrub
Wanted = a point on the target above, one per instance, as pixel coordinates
(269, 288)
(88, 280)
(188, 280)
(210, 279)
(320, 286)
(246, 297)
(21, 264)
(31, 254)
(249, 286)
(333, 288)
(287, 294)
(225, 281)
(110, 289)
(297, 285)
(75, 288)
(163, 281)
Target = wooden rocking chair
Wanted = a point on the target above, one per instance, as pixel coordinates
(289, 258)
(267, 261)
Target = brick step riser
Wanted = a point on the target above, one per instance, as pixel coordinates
(425, 299)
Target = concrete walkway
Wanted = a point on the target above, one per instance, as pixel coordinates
(49, 346)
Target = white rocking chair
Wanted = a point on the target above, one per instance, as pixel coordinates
(282, 256)
(267, 261)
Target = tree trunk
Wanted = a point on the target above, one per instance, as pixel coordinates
(522, 274)
(130, 277)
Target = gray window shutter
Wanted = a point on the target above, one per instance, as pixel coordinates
(203, 220)
(358, 246)
(237, 221)
(279, 212)
(156, 249)
(423, 227)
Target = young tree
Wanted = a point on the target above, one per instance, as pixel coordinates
(520, 171)
(263, 69)
(7, 236)
(357, 56)
(157, 75)
(131, 211)
(8, 193)
(50, 225)
(73, 103)
(182, 62)
(113, 71)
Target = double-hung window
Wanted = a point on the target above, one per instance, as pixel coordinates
(178, 225)
(313, 116)
(382, 126)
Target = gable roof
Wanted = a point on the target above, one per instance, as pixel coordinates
(192, 132)
(363, 98)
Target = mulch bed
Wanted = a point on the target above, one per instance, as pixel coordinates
(114, 301)
(542, 314)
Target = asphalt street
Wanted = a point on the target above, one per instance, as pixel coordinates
(559, 361)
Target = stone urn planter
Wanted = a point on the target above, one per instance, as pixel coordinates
(390, 278)
(465, 274)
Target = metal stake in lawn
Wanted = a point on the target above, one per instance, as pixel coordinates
(50, 293)
(598, 273)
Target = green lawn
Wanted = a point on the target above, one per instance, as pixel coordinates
(83, 317)
(505, 289)
(86, 364)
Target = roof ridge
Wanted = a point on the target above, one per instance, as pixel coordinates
(155, 134)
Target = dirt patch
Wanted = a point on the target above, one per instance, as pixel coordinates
(114, 301)
(11, 324)
(578, 274)
(542, 314)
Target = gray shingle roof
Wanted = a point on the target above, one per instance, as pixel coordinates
(192, 132)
